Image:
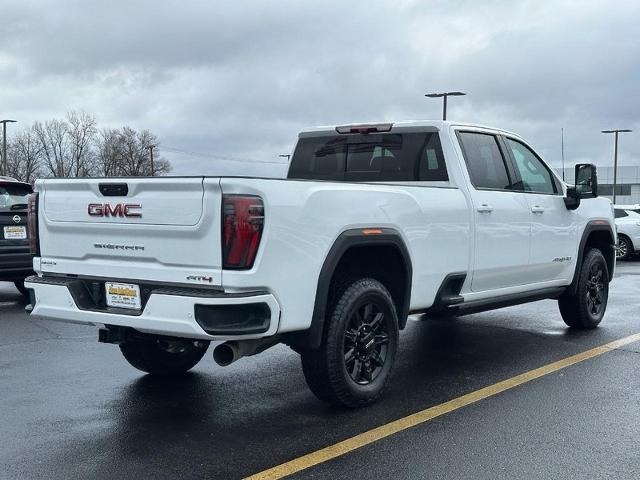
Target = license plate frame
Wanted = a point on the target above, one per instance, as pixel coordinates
(123, 295)
(15, 232)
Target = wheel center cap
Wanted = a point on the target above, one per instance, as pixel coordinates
(366, 340)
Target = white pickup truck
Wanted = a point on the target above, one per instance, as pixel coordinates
(374, 222)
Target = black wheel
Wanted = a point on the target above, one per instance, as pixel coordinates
(624, 249)
(585, 308)
(163, 355)
(353, 364)
(20, 287)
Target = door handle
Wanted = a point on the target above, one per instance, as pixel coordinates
(484, 208)
(537, 209)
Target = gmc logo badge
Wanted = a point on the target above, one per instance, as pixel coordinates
(128, 210)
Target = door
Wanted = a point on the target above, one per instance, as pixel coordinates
(502, 216)
(553, 227)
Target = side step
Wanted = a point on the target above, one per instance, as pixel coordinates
(448, 297)
(450, 300)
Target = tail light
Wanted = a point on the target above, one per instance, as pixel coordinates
(32, 221)
(242, 222)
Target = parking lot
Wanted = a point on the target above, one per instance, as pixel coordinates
(73, 408)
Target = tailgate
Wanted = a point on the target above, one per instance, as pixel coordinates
(154, 229)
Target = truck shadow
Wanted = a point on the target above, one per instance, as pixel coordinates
(233, 422)
(9, 295)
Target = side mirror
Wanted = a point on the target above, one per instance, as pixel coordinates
(586, 180)
(586, 185)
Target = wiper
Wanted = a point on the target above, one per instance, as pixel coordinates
(19, 206)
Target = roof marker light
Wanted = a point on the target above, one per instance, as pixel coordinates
(365, 128)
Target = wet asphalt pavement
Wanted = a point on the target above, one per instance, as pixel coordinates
(73, 408)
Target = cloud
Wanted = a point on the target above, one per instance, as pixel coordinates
(239, 79)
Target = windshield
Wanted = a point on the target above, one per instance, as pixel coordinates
(13, 197)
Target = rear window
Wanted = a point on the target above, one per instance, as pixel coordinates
(372, 157)
(13, 197)
(620, 213)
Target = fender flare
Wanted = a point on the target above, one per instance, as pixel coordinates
(592, 226)
(346, 240)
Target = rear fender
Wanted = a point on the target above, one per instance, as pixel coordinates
(347, 240)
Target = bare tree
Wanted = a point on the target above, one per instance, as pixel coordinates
(125, 152)
(74, 147)
(108, 154)
(135, 154)
(161, 166)
(53, 137)
(25, 161)
(81, 132)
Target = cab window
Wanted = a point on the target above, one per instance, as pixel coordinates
(486, 165)
(535, 176)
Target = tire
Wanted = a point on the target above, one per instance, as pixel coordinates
(163, 355)
(584, 309)
(624, 249)
(354, 362)
(21, 288)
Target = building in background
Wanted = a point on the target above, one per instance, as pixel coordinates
(628, 183)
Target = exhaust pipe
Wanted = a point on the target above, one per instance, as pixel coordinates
(228, 352)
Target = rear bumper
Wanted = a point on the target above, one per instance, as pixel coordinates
(177, 312)
(15, 266)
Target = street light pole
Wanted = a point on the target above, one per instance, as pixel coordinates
(4, 144)
(151, 147)
(615, 157)
(562, 130)
(444, 96)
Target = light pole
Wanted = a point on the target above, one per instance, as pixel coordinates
(151, 147)
(562, 147)
(4, 144)
(615, 157)
(444, 96)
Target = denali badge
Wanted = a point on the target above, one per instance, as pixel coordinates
(129, 210)
(16, 219)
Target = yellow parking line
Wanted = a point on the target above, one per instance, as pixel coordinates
(378, 433)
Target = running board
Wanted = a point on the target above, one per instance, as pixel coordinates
(451, 300)
(467, 308)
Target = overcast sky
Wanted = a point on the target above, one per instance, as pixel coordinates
(239, 79)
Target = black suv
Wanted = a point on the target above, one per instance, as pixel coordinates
(15, 257)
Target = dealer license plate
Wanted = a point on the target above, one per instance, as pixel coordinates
(15, 233)
(123, 295)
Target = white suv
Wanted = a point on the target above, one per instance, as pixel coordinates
(628, 226)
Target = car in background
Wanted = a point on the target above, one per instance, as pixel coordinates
(15, 256)
(634, 208)
(628, 226)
